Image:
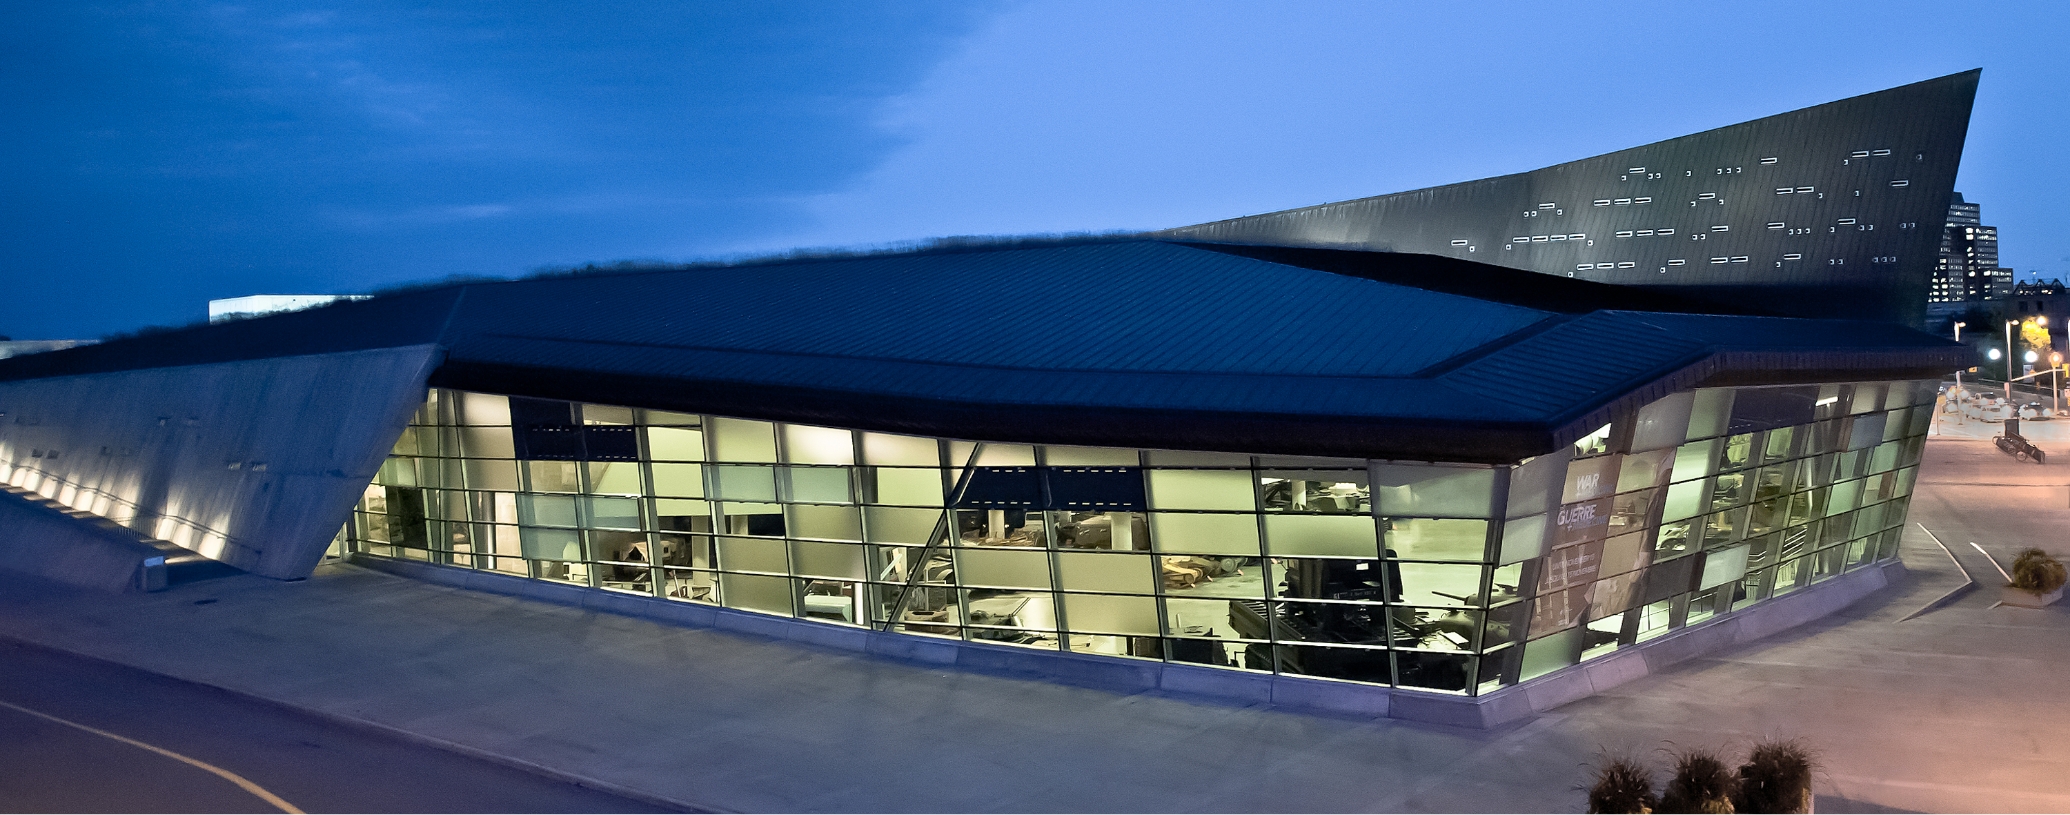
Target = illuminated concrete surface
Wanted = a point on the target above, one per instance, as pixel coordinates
(254, 463)
(1954, 711)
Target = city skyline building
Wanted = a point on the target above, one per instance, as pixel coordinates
(1967, 274)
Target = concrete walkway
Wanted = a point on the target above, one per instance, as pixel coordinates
(1958, 710)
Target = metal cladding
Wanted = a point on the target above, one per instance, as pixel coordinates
(1829, 211)
(1132, 343)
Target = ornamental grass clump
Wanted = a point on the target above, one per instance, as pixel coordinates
(2035, 571)
(1622, 786)
(1776, 778)
(1702, 783)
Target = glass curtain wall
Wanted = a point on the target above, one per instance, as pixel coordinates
(1444, 577)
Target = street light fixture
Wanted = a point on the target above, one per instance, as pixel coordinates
(2055, 378)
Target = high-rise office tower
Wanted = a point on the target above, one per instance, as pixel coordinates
(1967, 272)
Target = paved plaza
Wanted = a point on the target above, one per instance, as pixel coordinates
(1956, 710)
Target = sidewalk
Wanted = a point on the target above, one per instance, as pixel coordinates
(1953, 711)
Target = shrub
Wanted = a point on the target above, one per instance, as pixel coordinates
(1622, 786)
(1776, 778)
(1702, 783)
(2035, 571)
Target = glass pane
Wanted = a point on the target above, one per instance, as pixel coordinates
(1201, 576)
(492, 475)
(804, 444)
(1663, 423)
(1440, 491)
(614, 513)
(551, 544)
(1111, 614)
(1523, 539)
(664, 417)
(1118, 531)
(1440, 584)
(1336, 579)
(830, 600)
(555, 476)
(1008, 568)
(820, 485)
(679, 480)
(1436, 539)
(828, 522)
(1322, 491)
(902, 451)
(905, 486)
(1089, 571)
(753, 555)
(1707, 417)
(1189, 617)
(756, 593)
(827, 559)
(1234, 535)
(615, 478)
(1324, 535)
(1231, 490)
(486, 442)
(1089, 457)
(1534, 486)
(547, 510)
(737, 483)
(484, 409)
(675, 443)
(745, 440)
(900, 524)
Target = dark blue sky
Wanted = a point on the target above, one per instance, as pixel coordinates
(162, 154)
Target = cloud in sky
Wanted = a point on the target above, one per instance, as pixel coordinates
(164, 154)
(170, 153)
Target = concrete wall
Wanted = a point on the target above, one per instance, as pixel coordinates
(253, 463)
(48, 542)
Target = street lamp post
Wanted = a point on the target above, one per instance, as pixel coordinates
(2055, 378)
(2009, 359)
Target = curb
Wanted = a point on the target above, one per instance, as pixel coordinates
(412, 737)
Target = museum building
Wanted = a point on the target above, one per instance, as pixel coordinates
(1266, 449)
